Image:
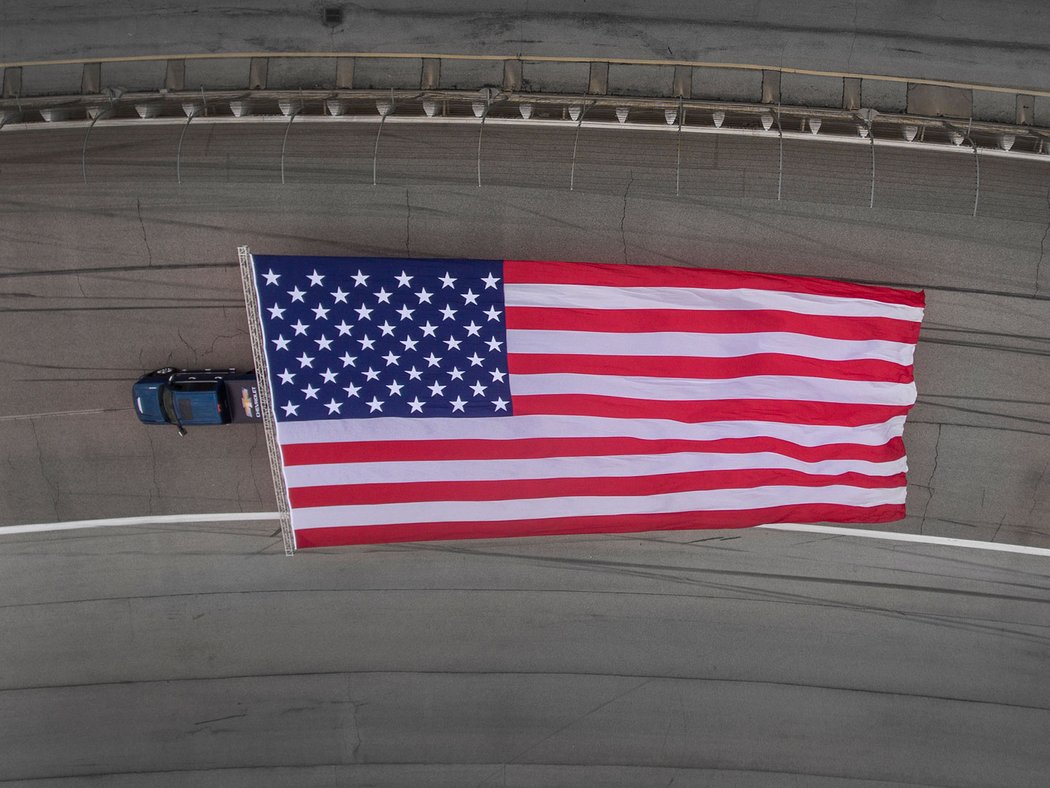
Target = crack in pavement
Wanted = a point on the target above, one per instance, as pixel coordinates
(1042, 245)
(142, 225)
(929, 481)
(623, 216)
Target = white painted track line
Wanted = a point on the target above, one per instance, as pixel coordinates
(163, 519)
(230, 517)
(892, 536)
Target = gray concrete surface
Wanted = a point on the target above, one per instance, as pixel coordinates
(998, 43)
(199, 655)
(130, 272)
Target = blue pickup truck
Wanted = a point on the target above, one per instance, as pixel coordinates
(189, 397)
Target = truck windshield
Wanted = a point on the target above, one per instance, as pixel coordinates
(167, 404)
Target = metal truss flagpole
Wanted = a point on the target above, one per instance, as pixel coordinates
(251, 305)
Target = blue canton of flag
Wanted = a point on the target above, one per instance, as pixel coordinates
(367, 337)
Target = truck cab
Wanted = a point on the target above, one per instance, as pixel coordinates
(196, 397)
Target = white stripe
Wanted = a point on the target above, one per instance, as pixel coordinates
(162, 519)
(584, 506)
(604, 466)
(892, 536)
(765, 387)
(501, 429)
(690, 345)
(859, 533)
(686, 298)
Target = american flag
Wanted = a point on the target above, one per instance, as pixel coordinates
(450, 399)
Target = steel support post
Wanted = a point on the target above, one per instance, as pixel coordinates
(780, 171)
(871, 138)
(178, 154)
(103, 112)
(287, 129)
(977, 174)
(575, 144)
(375, 151)
(678, 156)
(481, 130)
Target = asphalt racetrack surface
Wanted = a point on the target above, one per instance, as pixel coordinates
(131, 271)
(198, 654)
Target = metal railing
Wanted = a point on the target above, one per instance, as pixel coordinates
(513, 103)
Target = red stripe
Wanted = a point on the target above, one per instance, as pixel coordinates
(711, 368)
(673, 521)
(536, 448)
(518, 489)
(693, 412)
(739, 321)
(612, 275)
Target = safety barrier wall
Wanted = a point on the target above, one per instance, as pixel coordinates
(785, 105)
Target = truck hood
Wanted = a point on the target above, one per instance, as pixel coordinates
(146, 397)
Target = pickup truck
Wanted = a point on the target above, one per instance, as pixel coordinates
(189, 397)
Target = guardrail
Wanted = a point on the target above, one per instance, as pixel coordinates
(691, 98)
